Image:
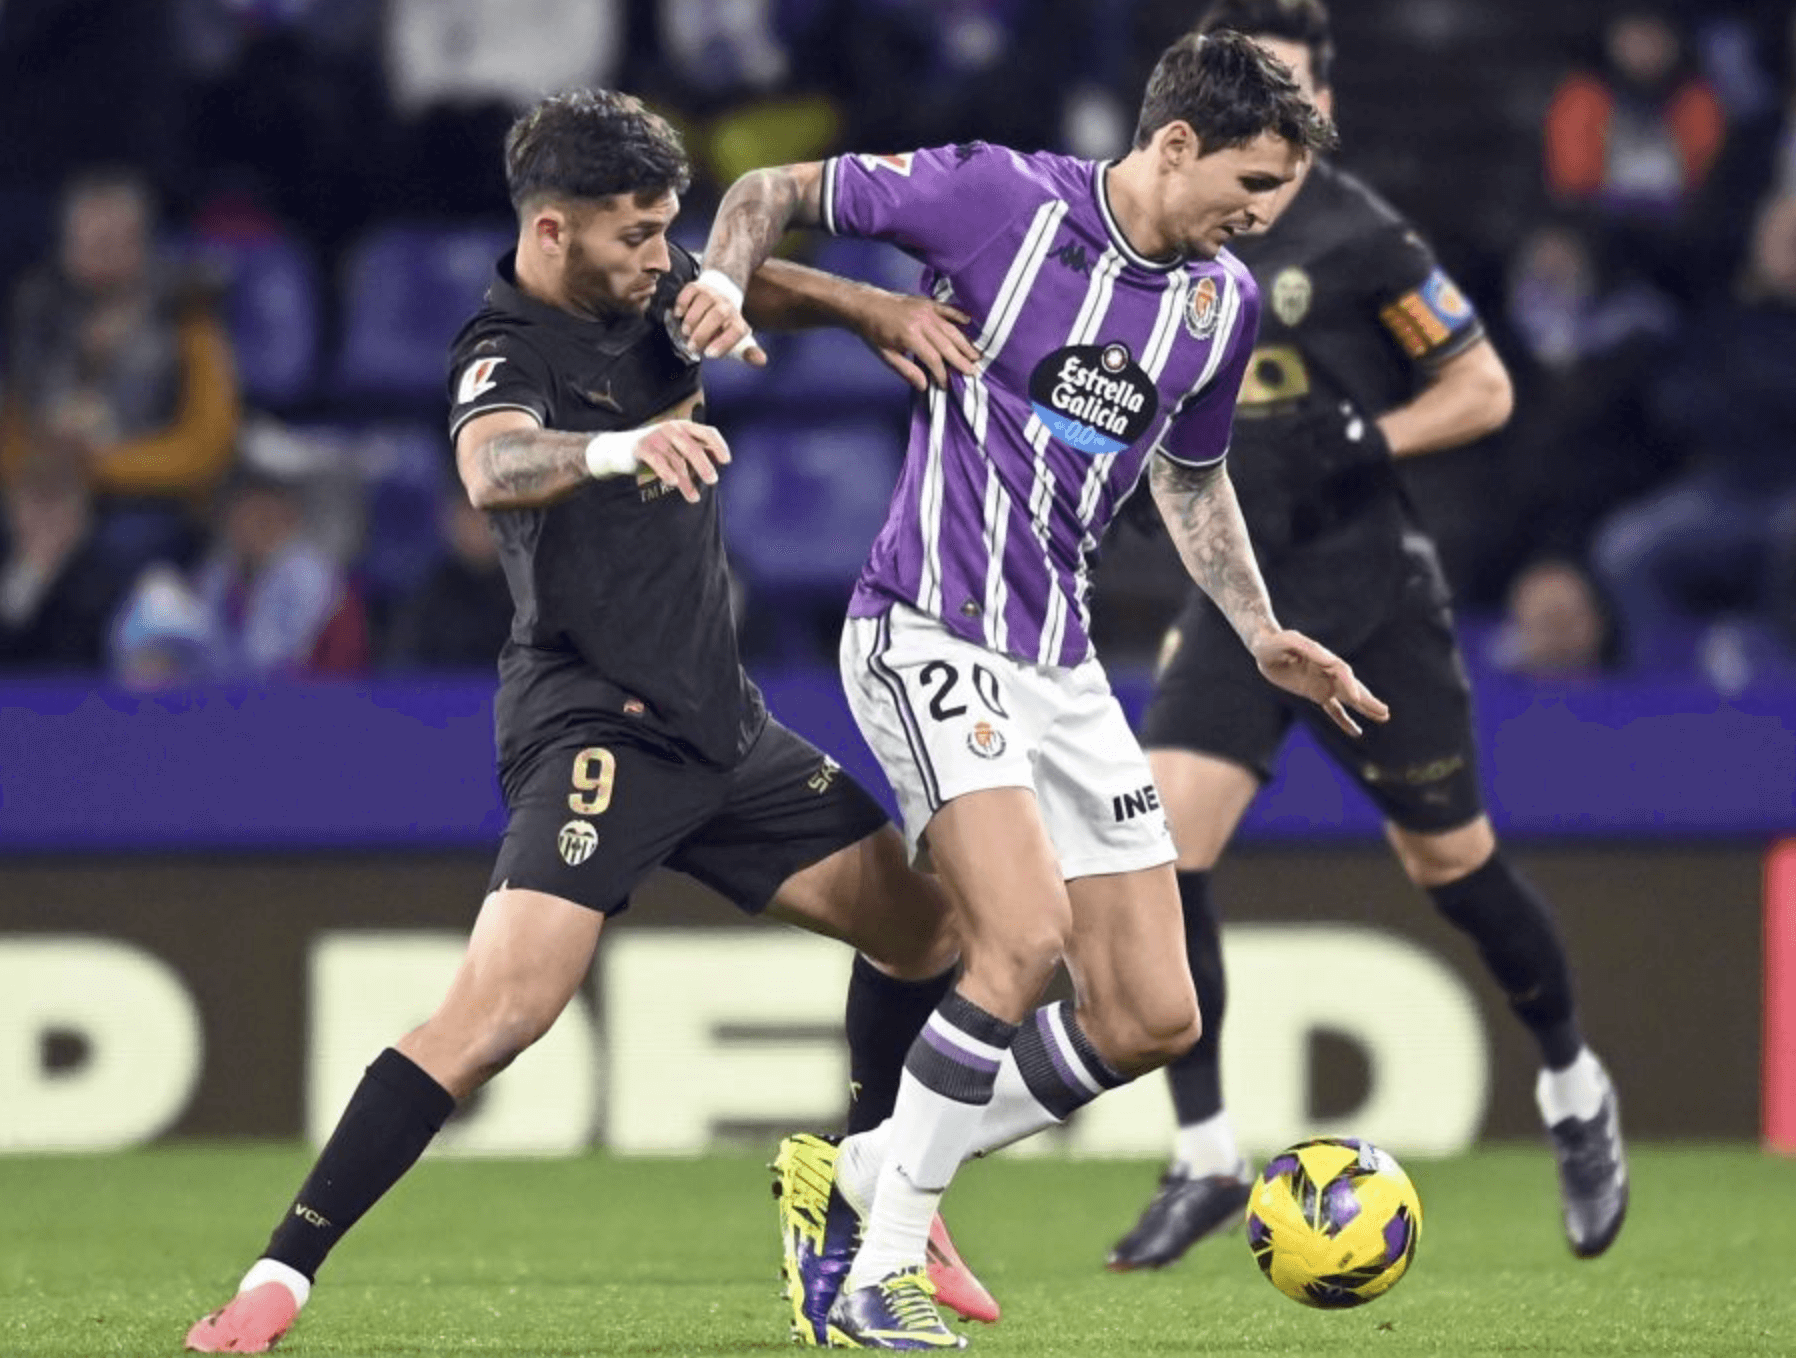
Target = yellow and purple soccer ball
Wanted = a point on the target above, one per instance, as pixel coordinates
(1333, 1222)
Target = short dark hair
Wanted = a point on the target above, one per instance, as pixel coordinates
(593, 144)
(1301, 21)
(1230, 90)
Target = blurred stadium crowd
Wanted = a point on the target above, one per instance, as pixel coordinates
(237, 235)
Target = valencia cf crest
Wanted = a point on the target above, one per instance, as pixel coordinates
(576, 841)
(1203, 309)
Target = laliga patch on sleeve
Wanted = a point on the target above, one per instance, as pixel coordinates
(898, 164)
(477, 379)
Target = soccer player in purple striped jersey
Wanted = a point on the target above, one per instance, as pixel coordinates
(1111, 330)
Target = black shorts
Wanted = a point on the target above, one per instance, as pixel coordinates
(1420, 768)
(593, 815)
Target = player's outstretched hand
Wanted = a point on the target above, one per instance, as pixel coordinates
(919, 339)
(1310, 670)
(683, 454)
(713, 325)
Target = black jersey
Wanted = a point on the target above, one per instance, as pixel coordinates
(621, 590)
(1355, 309)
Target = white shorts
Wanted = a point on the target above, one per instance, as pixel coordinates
(946, 717)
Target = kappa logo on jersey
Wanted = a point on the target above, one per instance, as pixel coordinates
(477, 379)
(985, 740)
(1093, 398)
(1074, 256)
(898, 164)
(1291, 293)
(1203, 309)
(576, 842)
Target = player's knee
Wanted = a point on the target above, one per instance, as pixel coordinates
(509, 1031)
(927, 944)
(1200, 841)
(1434, 859)
(1151, 1034)
(1167, 1034)
(918, 955)
(915, 943)
(1020, 961)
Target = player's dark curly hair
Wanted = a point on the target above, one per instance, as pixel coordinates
(1230, 90)
(592, 144)
(1300, 21)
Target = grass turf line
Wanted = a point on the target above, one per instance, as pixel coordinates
(118, 1254)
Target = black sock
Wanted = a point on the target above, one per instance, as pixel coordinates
(1196, 1076)
(884, 1016)
(1513, 928)
(391, 1117)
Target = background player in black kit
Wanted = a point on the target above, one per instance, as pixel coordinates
(628, 734)
(1367, 352)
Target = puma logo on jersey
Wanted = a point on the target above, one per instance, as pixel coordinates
(477, 379)
(603, 399)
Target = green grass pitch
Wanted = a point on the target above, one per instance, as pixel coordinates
(597, 1256)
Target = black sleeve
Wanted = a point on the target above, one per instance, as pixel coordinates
(1427, 316)
(685, 265)
(495, 370)
(683, 268)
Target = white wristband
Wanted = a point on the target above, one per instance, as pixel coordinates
(612, 454)
(722, 284)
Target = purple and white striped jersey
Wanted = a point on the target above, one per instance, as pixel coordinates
(1092, 359)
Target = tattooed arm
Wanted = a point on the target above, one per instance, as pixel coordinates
(508, 461)
(920, 339)
(1204, 519)
(752, 217)
(757, 211)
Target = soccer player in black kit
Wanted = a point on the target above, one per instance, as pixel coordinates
(1366, 353)
(628, 735)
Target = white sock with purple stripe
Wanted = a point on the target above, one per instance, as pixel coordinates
(1049, 1070)
(942, 1098)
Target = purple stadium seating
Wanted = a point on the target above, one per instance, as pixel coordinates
(407, 289)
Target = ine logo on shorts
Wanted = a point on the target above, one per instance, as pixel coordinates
(985, 740)
(1094, 398)
(576, 841)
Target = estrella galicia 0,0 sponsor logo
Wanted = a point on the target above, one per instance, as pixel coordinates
(1094, 398)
